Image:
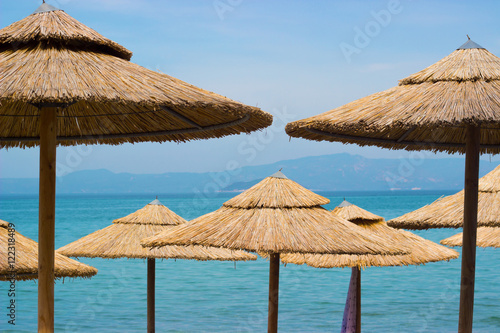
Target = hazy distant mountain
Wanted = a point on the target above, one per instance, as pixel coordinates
(337, 172)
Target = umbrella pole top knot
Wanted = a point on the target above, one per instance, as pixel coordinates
(470, 44)
(344, 203)
(156, 202)
(45, 7)
(279, 174)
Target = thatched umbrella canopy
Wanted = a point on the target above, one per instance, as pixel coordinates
(429, 110)
(486, 237)
(21, 262)
(448, 212)
(122, 240)
(51, 59)
(421, 251)
(62, 83)
(355, 214)
(275, 216)
(451, 106)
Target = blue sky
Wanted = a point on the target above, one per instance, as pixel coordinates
(287, 57)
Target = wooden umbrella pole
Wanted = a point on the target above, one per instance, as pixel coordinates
(358, 299)
(469, 229)
(46, 219)
(151, 295)
(351, 321)
(274, 282)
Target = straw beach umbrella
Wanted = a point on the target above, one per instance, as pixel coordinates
(274, 216)
(19, 258)
(122, 240)
(448, 212)
(62, 83)
(486, 237)
(452, 106)
(421, 251)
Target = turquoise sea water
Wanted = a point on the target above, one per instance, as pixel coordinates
(196, 296)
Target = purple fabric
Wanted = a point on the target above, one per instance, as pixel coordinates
(349, 321)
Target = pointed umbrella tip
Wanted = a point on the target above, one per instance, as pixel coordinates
(279, 174)
(156, 202)
(469, 44)
(45, 7)
(344, 203)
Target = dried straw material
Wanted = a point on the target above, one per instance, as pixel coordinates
(153, 213)
(26, 263)
(60, 28)
(269, 218)
(428, 110)
(51, 59)
(448, 212)
(486, 237)
(275, 192)
(421, 250)
(122, 239)
(355, 214)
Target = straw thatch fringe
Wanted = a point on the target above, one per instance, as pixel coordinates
(122, 240)
(490, 183)
(303, 230)
(355, 214)
(57, 27)
(53, 75)
(410, 116)
(276, 215)
(276, 193)
(486, 68)
(26, 259)
(421, 251)
(486, 237)
(106, 99)
(447, 212)
(113, 96)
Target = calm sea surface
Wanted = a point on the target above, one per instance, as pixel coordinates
(196, 296)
